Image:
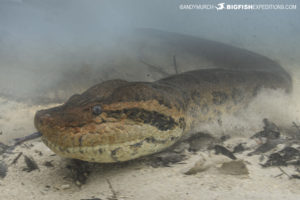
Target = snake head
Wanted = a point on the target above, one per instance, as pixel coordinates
(125, 122)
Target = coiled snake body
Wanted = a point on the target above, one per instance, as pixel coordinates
(118, 120)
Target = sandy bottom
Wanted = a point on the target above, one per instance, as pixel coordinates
(136, 179)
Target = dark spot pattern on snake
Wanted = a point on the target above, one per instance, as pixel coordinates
(182, 123)
(155, 141)
(114, 154)
(138, 144)
(160, 121)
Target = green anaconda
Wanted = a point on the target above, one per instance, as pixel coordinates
(118, 120)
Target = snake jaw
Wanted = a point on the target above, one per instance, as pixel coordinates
(117, 134)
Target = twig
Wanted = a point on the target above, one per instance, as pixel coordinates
(284, 172)
(297, 127)
(19, 141)
(32, 136)
(175, 64)
(16, 158)
(155, 68)
(114, 196)
(278, 175)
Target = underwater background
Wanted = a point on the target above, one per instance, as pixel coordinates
(50, 50)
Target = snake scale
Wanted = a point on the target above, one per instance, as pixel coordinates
(118, 120)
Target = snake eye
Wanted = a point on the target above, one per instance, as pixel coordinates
(96, 110)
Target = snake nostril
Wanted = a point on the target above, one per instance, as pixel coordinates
(42, 118)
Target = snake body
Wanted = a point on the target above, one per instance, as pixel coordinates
(118, 120)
